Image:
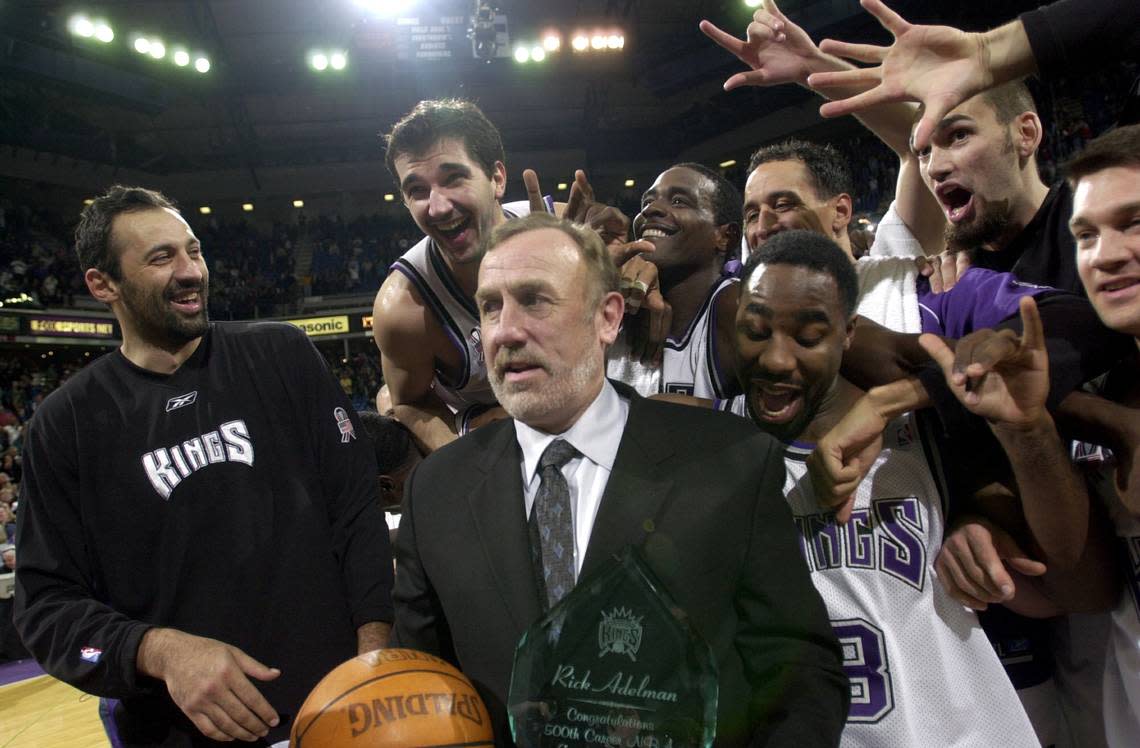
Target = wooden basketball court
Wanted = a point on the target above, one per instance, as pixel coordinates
(42, 712)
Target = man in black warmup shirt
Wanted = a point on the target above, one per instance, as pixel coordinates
(169, 488)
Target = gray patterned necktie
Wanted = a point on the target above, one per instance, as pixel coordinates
(552, 522)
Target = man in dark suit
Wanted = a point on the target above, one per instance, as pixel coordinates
(699, 492)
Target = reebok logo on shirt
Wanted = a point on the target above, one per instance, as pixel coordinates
(167, 466)
(181, 401)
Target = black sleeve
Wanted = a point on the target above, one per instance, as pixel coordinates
(1070, 36)
(1080, 348)
(348, 477)
(73, 634)
(420, 623)
(792, 660)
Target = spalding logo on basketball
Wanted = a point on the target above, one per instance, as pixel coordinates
(392, 697)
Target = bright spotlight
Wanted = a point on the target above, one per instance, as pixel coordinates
(538, 54)
(338, 60)
(389, 197)
(629, 183)
(142, 45)
(204, 210)
(181, 58)
(753, 3)
(615, 41)
(598, 42)
(386, 8)
(202, 65)
(157, 49)
(298, 203)
(728, 163)
(104, 33)
(247, 207)
(522, 54)
(561, 185)
(552, 42)
(319, 61)
(580, 43)
(81, 25)
(88, 201)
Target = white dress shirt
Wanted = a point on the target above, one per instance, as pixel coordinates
(596, 435)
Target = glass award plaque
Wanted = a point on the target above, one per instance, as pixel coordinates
(615, 663)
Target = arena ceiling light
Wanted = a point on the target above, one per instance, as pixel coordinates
(598, 40)
(753, 3)
(325, 59)
(552, 42)
(202, 65)
(157, 49)
(205, 210)
(728, 163)
(629, 183)
(181, 57)
(298, 203)
(386, 8)
(389, 197)
(81, 25)
(247, 207)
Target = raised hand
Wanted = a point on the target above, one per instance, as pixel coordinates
(944, 269)
(777, 50)
(996, 374)
(844, 456)
(534, 192)
(938, 66)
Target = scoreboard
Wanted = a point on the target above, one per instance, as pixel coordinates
(452, 37)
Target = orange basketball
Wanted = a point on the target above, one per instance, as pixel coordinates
(392, 697)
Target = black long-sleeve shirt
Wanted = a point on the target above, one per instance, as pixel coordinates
(231, 499)
(1069, 36)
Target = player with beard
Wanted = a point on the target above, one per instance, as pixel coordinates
(691, 216)
(908, 638)
(448, 160)
(167, 488)
(1106, 213)
(976, 142)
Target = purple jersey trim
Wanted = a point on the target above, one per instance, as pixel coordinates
(980, 299)
(107, 717)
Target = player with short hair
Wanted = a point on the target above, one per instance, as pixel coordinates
(691, 217)
(907, 642)
(167, 489)
(448, 160)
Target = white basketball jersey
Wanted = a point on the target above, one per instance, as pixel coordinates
(1122, 660)
(690, 364)
(922, 671)
(423, 265)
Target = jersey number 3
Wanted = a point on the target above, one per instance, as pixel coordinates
(865, 663)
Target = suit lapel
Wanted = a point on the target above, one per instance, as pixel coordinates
(637, 486)
(500, 522)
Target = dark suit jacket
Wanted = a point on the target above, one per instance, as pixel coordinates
(701, 493)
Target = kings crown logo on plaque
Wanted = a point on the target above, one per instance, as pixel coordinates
(615, 663)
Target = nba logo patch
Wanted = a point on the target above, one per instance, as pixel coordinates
(477, 343)
(903, 436)
(90, 654)
(344, 423)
